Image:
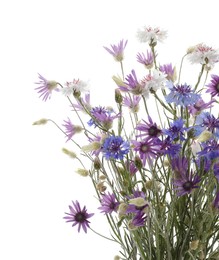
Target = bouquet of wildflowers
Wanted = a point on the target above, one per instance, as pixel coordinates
(153, 157)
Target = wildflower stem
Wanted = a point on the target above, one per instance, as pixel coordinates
(101, 235)
(180, 69)
(199, 77)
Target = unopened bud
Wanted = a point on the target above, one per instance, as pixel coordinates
(97, 164)
(118, 96)
(82, 172)
(69, 153)
(42, 121)
(117, 257)
(194, 244)
(122, 209)
(138, 202)
(91, 147)
(138, 162)
(204, 136)
(100, 186)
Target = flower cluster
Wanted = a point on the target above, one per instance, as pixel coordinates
(154, 156)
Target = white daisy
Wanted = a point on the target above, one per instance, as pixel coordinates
(151, 35)
(75, 86)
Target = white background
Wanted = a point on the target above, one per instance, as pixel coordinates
(63, 40)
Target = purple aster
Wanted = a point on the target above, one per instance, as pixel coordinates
(169, 71)
(175, 130)
(132, 103)
(146, 60)
(206, 121)
(70, 129)
(132, 84)
(117, 50)
(199, 106)
(213, 87)
(147, 149)
(180, 165)
(148, 129)
(102, 116)
(114, 147)
(83, 103)
(186, 182)
(138, 220)
(46, 87)
(167, 147)
(78, 216)
(108, 203)
(131, 167)
(181, 95)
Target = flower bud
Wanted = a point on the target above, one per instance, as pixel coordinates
(118, 96)
(69, 153)
(116, 257)
(82, 172)
(100, 186)
(122, 209)
(42, 121)
(97, 164)
(204, 136)
(139, 202)
(193, 245)
(91, 147)
(138, 162)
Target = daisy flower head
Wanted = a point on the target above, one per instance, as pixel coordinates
(146, 60)
(169, 70)
(132, 103)
(213, 87)
(199, 106)
(186, 183)
(114, 147)
(75, 87)
(151, 35)
(117, 51)
(181, 95)
(78, 216)
(108, 203)
(46, 87)
(203, 54)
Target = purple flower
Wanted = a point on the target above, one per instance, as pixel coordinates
(108, 203)
(78, 216)
(213, 87)
(71, 129)
(46, 87)
(132, 103)
(206, 121)
(175, 130)
(169, 71)
(149, 129)
(185, 183)
(147, 149)
(148, 60)
(138, 220)
(180, 165)
(114, 147)
(199, 106)
(181, 95)
(102, 116)
(117, 50)
(210, 150)
(167, 147)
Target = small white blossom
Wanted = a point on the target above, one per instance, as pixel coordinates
(75, 86)
(151, 35)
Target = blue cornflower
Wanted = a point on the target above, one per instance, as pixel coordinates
(169, 148)
(175, 130)
(210, 150)
(114, 147)
(181, 95)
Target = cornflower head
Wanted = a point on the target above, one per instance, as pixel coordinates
(78, 216)
(207, 121)
(71, 129)
(75, 87)
(210, 150)
(186, 182)
(151, 35)
(147, 60)
(203, 54)
(117, 51)
(181, 95)
(176, 130)
(168, 147)
(102, 116)
(108, 203)
(169, 71)
(46, 87)
(213, 87)
(147, 149)
(148, 129)
(199, 106)
(114, 147)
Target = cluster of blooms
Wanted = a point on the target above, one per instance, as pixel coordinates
(158, 185)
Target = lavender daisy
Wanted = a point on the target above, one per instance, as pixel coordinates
(213, 87)
(46, 87)
(169, 71)
(186, 183)
(199, 106)
(146, 60)
(117, 50)
(78, 216)
(114, 147)
(108, 203)
(181, 95)
(132, 103)
(138, 221)
(71, 129)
